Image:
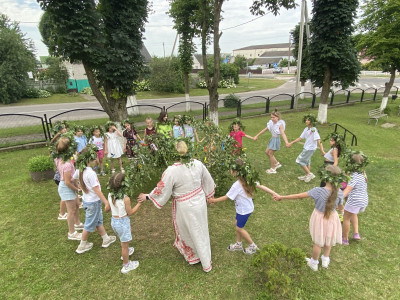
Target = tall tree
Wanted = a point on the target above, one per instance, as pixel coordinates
(184, 13)
(380, 38)
(106, 36)
(16, 59)
(333, 56)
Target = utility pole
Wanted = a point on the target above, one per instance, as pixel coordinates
(308, 39)
(288, 61)
(300, 54)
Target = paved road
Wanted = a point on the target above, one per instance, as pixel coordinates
(54, 109)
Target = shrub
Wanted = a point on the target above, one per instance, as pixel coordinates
(142, 86)
(276, 268)
(202, 84)
(40, 163)
(31, 93)
(231, 101)
(226, 83)
(87, 91)
(166, 75)
(61, 89)
(44, 94)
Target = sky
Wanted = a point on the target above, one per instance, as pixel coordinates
(160, 35)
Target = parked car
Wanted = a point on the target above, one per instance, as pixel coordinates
(277, 70)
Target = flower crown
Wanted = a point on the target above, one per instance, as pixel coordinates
(127, 121)
(109, 124)
(186, 118)
(354, 166)
(311, 118)
(79, 127)
(236, 122)
(88, 154)
(123, 190)
(58, 126)
(339, 139)
(327, 176)
(68, 153)
(94, 127)
(245, 170)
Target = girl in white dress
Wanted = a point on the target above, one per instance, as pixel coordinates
(112, 145)
(277, 128)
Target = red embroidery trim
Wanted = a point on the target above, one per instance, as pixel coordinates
(158, 190)
(188, 195)
(212, 193)
(155, 202)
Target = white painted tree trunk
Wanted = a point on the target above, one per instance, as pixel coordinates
(214, 117)
(131, 101)
(187, 99)
(302, 92)
(322, 113)
(383, 103)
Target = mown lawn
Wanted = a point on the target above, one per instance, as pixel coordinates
(55, 98)
(37, 260)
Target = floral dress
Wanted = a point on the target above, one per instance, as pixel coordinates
(131, 137)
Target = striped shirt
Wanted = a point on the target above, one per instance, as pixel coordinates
(321, 195)
(358, 196)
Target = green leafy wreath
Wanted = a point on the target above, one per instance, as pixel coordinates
(236, 122)
(108, 125)
(68, 153)
(244, 169)
(88, 154)
(352, 165)
(339, 139)
(311, 118)
(59, 125)
(335, 180)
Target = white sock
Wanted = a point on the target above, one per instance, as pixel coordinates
(324, 258)
(239, 243)
(105, 237)
(315, 262)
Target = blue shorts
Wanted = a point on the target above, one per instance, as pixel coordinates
(122, 228)
(304, 158)
(93, 215)
(241, 220)
(65, 192)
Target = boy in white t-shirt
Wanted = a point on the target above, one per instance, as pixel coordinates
(311, 135)
(92, 199)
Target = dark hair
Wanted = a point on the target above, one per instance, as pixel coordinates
(337, 145)
(161, 116)
(115, 182)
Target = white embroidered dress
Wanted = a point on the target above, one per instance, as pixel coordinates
(189, 185)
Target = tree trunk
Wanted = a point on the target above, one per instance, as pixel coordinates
(302, 89)
(131, 101)
(323, 104)
(388, 87)
(115, 108)
(187, 97)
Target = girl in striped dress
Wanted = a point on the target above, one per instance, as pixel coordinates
(357, 194)
(277, 128)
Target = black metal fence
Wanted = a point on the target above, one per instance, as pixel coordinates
(18, 129)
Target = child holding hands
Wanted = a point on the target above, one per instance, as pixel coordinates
(236, 132)
(121, 210)
(242, 193)
(325, 227)
(112, 146)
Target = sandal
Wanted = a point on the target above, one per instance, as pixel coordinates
(271, 171)
(278, 165)
(75, 236)
(62, 217)
(79, 227)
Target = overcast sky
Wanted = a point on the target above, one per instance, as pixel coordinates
(160, 35)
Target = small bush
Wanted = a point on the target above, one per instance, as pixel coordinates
(275, 269)
(387, 110)
(31, 93)
(87, 91)
(61, 89)
(231, 101)
(44, 94)
(142, 86)
(226, 83)
(202, 84)
(40, 163)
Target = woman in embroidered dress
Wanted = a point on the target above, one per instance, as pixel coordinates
(190, 185)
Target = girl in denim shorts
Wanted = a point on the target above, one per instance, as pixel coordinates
(121, 210)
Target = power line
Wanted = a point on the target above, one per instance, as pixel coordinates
(244, 23)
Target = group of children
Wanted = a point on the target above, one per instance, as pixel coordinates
(325, 223)
(325, 226)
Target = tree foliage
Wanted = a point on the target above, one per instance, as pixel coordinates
(240, 62)
(106, 36)
(380, 36)
(16, 59)
(55, 70)
(166, 75)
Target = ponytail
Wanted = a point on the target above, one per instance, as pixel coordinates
(83, 185)
(330, 204)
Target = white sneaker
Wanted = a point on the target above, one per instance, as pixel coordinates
(74, 236)
(131, 266)
(312, 266)
(131, 250)
(325, 262)
(302, 177)
(82, 249)
(111, 239)
(309, 177)
(235, 247)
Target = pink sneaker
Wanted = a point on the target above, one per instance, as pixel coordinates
(356, 236)
(345, 242)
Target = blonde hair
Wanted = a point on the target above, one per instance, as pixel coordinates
(181, 147)
(149, 119)
(248, 189)
(276, 114)
(62, 144)
(115, 183)
(330, 203)
(358, 158)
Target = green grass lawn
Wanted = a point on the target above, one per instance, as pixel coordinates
(55, 98)
(37, 260)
